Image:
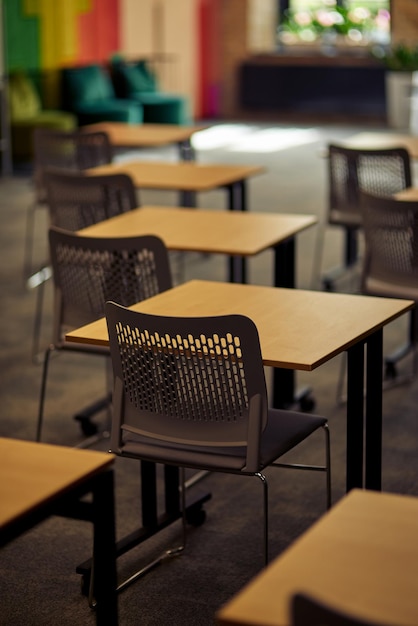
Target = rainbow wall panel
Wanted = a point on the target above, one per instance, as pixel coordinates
(48, 34)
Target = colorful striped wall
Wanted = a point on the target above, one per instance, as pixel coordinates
(42, 36)
(49, 34)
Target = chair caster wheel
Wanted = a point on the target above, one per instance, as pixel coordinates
(195, 516)
(307, 404)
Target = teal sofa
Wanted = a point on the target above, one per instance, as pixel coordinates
(88, 93)
(136, 81)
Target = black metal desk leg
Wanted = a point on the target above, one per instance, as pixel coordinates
(237, 269)
(237, 202)
(237, 196)
(284, 276)
(172, 496)
(351, 246)
(105, 550)
(285, 264)
(187, 153)
(283, 388)
(355, 416)
(374, 411)
(285, 394)
(188, 199)
(186, 150)
(149, 494)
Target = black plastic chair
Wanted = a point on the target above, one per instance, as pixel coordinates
(76, 201)
(65, 151)
(351, 170)
(390, 267)
(191, 392)
(88, 271)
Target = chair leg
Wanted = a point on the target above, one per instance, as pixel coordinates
(37, 322)
(266, 516)
(28, 252)
(43, 392)
(316, 468)
(328, 465)
(317, 258)
(403, 351)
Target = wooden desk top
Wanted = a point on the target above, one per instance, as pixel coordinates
(360, 557)
(298, 329)
(200, 230)
(32, 474)
(127, 135)
(378, 140)
(181, 176)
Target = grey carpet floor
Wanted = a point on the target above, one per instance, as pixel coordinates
(38, 581)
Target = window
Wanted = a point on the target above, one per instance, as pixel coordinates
(354, 22)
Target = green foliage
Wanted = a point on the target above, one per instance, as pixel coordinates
(356, 24)
(401, 58)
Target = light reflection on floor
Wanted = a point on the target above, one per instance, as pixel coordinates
(247, 138)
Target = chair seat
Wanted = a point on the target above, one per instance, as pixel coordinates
(284, 430)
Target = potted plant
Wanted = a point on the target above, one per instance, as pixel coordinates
(401, 62)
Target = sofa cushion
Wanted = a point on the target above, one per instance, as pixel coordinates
(137, 80)
(24, 100)
(49, 118)
(87, 84)
(22, 130)
(133, 79)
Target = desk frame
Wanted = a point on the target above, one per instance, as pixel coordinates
(152, 523)
(101, 513)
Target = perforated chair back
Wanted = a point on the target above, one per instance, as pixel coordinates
(76, 201)
(195, 386)
(391, 258)
(381, 172)
(308, 611)
(69, 151)
(88, 271)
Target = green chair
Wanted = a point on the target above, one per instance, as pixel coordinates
(137, 81)
(27, 113)
(88, 93)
